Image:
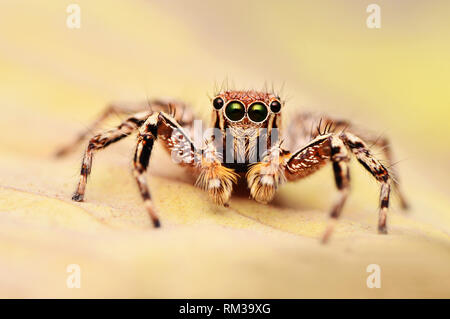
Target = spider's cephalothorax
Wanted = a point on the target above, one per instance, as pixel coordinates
(247, 143)
(248, 122)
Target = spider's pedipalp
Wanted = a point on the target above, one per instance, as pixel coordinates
(218, 181)
(213, 177)
(264, 178)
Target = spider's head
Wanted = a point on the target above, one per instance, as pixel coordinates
(247, 109)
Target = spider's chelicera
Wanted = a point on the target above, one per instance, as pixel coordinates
(245, 141)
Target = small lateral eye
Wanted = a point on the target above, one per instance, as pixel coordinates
(275, 106)
(218, 103)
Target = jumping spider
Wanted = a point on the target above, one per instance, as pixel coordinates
(241, 116)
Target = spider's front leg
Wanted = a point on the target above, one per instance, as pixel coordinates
(101, 141)
(301, 131)
(104, 139)
(265, 177)
(163, 127)
(212, 176)
(334, 147)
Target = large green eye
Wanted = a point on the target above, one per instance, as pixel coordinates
(257, 112)
(235, 111)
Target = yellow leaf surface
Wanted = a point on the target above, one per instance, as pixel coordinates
(56, 80)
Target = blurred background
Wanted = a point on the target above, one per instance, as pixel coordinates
(55, 80)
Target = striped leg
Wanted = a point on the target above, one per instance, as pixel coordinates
(101, 141)
(303, 128)
(323, 148)
(141, 160)
(163, 127)
(339, 158)
(112, 109)
(181, 113)
(367, 160)
(315, 155)
(384, 144)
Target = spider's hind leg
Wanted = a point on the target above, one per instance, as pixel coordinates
(112, 109)
(181, 113)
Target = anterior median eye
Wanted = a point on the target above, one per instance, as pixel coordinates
(235, 111)
(257, 112)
